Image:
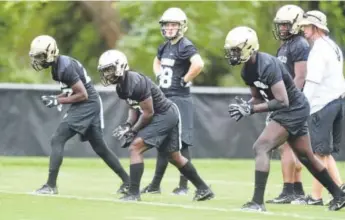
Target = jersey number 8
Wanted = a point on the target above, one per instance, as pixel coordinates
(165, 77)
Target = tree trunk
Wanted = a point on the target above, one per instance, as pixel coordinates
(105, 19)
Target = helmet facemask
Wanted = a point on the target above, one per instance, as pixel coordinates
(166, 25)
(282, 30)
(286, 22)
(110, 75)
(39, 61)
(238, 54)
(233, 55)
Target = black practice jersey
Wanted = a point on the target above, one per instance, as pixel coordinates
(267, 71)
(175, 63)
(135, 88)
(68, 71)
(294, 50)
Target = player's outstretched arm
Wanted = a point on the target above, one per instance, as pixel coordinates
(281, 99)
(146, 115)
(79, 94)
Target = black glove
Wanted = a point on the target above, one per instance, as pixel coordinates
(185, 84)
(240, 109)
(129, 137)
(49, 101)
(121, 130)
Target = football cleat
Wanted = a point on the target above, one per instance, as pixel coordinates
(203, 194)
(253, 206)
(307, 200)
(180, 191)
(47, 190)
(151, 189)
(337, 204)
(123, 188)
(282, 199)
(131, 197)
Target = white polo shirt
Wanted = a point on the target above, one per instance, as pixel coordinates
(325, 68)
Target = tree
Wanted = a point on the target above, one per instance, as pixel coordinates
(84, 30)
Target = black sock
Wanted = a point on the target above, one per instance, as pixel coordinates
(260, 185)
(52, 177)
(189, 171)
(161, 166)
(324, 178)
(288, 188)
(136, 172)
(298, 188)
(183, 180)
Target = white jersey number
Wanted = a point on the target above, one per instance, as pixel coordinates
(165, 79)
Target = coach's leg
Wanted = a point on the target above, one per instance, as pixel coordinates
(58, 141)
(337, 133)
(98, 144)
(333, 170)
(288, 163)
(298, 186)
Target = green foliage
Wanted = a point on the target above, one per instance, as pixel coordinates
(77, 35)
(209, 23)
(21, 22)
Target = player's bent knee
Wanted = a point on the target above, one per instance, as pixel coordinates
(137, 146)
(55, 141)
(262, 146)
(177, 159)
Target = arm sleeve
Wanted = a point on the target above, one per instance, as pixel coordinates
(188, 51)
(272, 74)
(300, 51)
(142, 91)
(69, 76)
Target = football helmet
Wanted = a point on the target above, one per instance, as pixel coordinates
(43, 51)
(240, 43)
(173, 15)
(286, 21)
(112, 65)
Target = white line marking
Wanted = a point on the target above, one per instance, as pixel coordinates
(139, 218)
(205, 208)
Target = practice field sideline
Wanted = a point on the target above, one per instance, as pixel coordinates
(86, 192)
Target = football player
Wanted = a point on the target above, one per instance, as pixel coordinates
(153, 121)
(84, 117)
(293, 52)
(177, 63)
(273, 90)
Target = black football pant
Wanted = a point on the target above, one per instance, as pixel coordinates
(95, 137)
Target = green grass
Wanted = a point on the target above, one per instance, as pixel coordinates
(86, 192)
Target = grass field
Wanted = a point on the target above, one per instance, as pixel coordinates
(86, 192)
